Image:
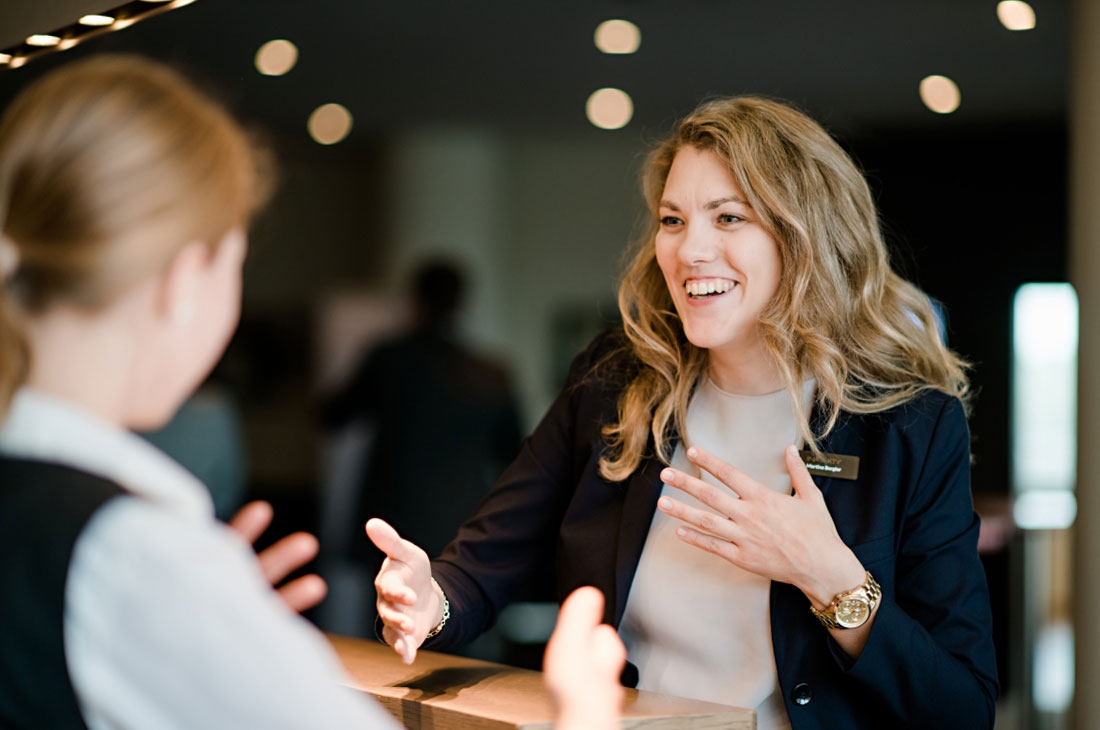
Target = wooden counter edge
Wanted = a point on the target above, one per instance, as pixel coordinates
(501, 697)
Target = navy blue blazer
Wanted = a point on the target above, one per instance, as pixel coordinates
(929, 661)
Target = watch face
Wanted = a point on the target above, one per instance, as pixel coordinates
(852, 612)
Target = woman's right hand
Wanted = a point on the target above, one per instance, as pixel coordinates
(409, 604)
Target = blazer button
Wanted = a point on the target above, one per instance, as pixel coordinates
(802, 694)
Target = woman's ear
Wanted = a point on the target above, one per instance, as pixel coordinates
(180, 284)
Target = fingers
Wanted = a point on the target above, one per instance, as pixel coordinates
(390, 635)
(404, 563)
(581, 612)
(397, 629)
(287, 555)
(283, 558)
(583, 662)
(391, 585)
(386, 539)
(252, 519)
(722, 548)
(607, 648)
(723, 472)
(801, 480)
(392, 617)
(400, 643)
(405, 648)
(303, 593)
(705, 520)
(719, 499)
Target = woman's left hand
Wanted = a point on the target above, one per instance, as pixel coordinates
(789, 538)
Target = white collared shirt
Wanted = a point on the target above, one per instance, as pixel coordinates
(169, 622)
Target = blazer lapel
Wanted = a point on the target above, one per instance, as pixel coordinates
(639, 503)
(845, 438)
(818, 420)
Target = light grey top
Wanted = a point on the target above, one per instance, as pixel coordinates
(696, 625)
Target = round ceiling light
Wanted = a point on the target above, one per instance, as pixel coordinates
(940, 94)
(329, 124)
(1016, 15)
(609, 108)
(618, 36)
(277, 57)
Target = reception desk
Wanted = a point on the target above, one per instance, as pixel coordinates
(443, 692)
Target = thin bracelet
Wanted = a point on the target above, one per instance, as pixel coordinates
(446, 612)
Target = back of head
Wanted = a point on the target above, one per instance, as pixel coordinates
(108, 167)
(438, 286)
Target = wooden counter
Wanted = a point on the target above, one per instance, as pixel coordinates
(443, 692)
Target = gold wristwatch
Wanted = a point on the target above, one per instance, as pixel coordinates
(851, 609)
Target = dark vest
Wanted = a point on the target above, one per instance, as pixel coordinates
(43, 509)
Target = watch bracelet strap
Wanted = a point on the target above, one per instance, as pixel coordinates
(828, 616)
(446, 612)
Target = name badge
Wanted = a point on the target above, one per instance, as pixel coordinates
(839, 466)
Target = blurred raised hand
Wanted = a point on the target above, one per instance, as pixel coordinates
(283, 557)
(582, 665)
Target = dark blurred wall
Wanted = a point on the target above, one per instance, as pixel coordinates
(972, 214)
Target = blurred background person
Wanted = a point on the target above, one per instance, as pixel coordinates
(443, 417)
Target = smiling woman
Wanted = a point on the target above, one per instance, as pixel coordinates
(761, 316)
(720, 265)
(840, 314)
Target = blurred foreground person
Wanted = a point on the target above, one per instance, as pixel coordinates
(124, 199)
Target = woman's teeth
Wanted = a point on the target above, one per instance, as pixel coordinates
(699, 288)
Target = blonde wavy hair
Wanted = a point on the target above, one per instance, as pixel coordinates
(108, 167)
(841, 314)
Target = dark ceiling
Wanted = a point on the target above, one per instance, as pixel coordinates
(519, 65)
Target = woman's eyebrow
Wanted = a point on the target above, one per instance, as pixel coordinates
(708, 206)
(720, 201)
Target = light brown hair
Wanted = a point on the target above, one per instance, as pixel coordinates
(841, 314)
(108, 167)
